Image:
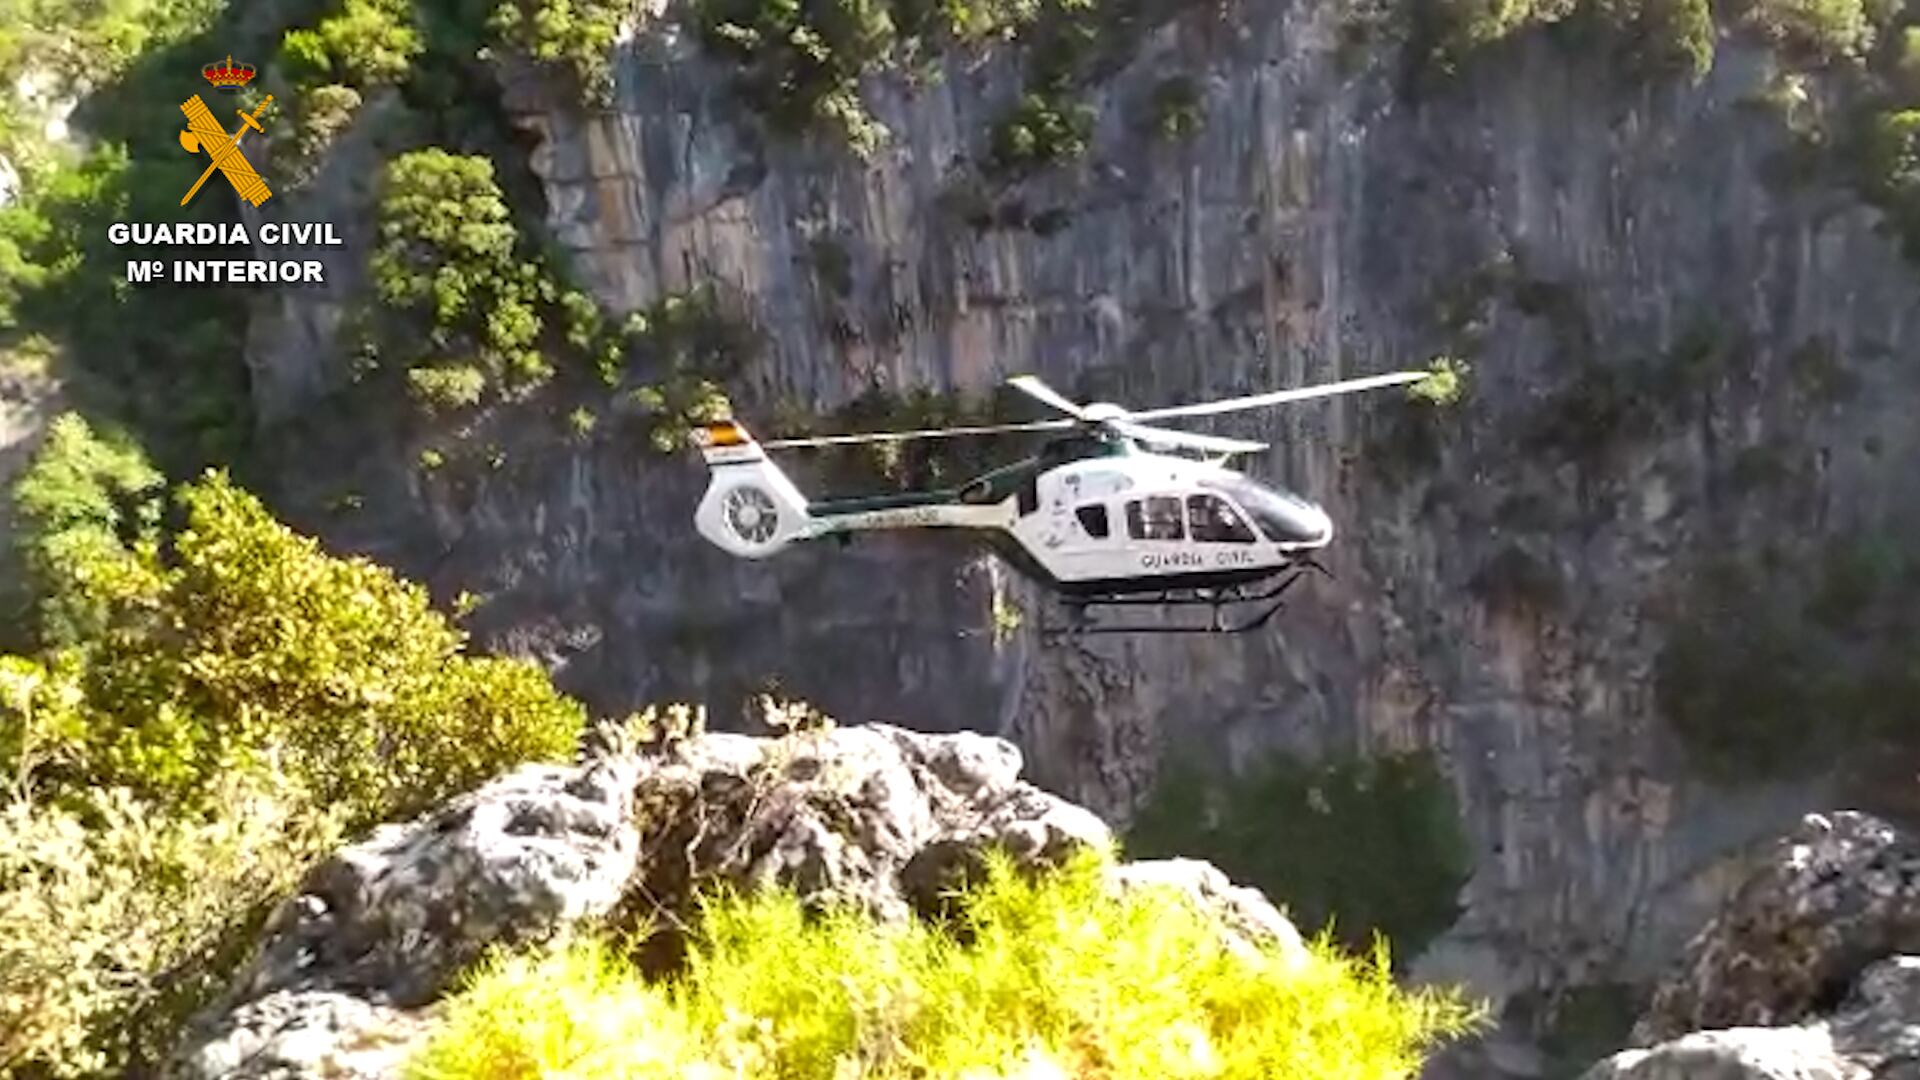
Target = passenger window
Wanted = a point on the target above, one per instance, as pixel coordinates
(1094, 520)
(1157, 518)
(1213, 521)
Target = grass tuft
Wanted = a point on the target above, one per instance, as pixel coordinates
(1050, 975)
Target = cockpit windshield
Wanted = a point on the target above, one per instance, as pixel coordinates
(1285, 518)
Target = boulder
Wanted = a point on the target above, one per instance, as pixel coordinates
(308, 1033)
(1247, 919)
(872, 816)
(1874, 1036)
(1840, 892)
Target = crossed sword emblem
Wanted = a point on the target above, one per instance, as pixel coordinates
(205, 133)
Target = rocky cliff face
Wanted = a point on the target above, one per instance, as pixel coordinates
(1498, 595)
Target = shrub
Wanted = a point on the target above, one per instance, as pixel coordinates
(167, 360)
(1445, 384)
(118, 920)
(83, 498)
(1661, 34)
(325, 112)
(1178, 108)
(1814, 30)
(464, 310)
(1052, 973)
(690, 346)
(1610, 403)
(232, 700)
(577, 35)
(1582, 1025)
(446, 389)
(1406, 436)
(912, 465)
(801, 64)
(1889, 164)
(1759, 682)
(581, 422)
(1371, 846)
(369, 43)
(449, 272)
(245, 643)
(1040, 131)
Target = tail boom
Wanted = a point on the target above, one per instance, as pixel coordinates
(752, 510)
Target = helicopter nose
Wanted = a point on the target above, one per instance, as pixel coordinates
(1318, 525)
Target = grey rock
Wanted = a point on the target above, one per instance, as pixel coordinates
(302, 1034)
(1796, 1053)
(1247, 919)
(1875, 1034)
(875, 816)
(1840, 892)
(390, 922)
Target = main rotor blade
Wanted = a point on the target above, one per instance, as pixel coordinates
(1032, 385)
(1212, 444)
(1281, 397)
(924, 433)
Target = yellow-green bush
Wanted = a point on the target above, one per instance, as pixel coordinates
(248, 641)
(366, 43)
(212, 708)
(237, 643)
(1054, 971)
(117, 919)
(85, 493)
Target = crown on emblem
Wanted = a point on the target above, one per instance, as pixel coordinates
(228, 76)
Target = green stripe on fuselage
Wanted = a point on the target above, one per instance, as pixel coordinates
(984, 490)
(866, 503)
(996, 486)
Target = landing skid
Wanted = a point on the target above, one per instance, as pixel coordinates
(1219, 603)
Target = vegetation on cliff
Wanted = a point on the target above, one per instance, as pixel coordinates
(1050, 973)
(1762, 682)
(1367, 847)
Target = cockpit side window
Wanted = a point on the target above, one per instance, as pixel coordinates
(1211, 520)
(1094, 520)
(1155, 518)
(1285, 518)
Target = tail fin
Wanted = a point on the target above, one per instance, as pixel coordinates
(750, 509)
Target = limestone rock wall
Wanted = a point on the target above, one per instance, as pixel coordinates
(1543, 213)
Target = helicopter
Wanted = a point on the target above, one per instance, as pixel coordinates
(1114, 512)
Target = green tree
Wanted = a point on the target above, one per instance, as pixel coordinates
(83, 500)
(239, 644)
(577, 35)
(369, 43)
(228, 701)
(455, 291)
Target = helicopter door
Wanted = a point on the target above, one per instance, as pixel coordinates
(1157, 537)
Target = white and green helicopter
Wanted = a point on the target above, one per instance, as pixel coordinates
(1108, 514)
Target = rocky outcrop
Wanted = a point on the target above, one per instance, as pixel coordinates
(1874, 1036)
(1807, 973)
(1841, 891)
(875, 816)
